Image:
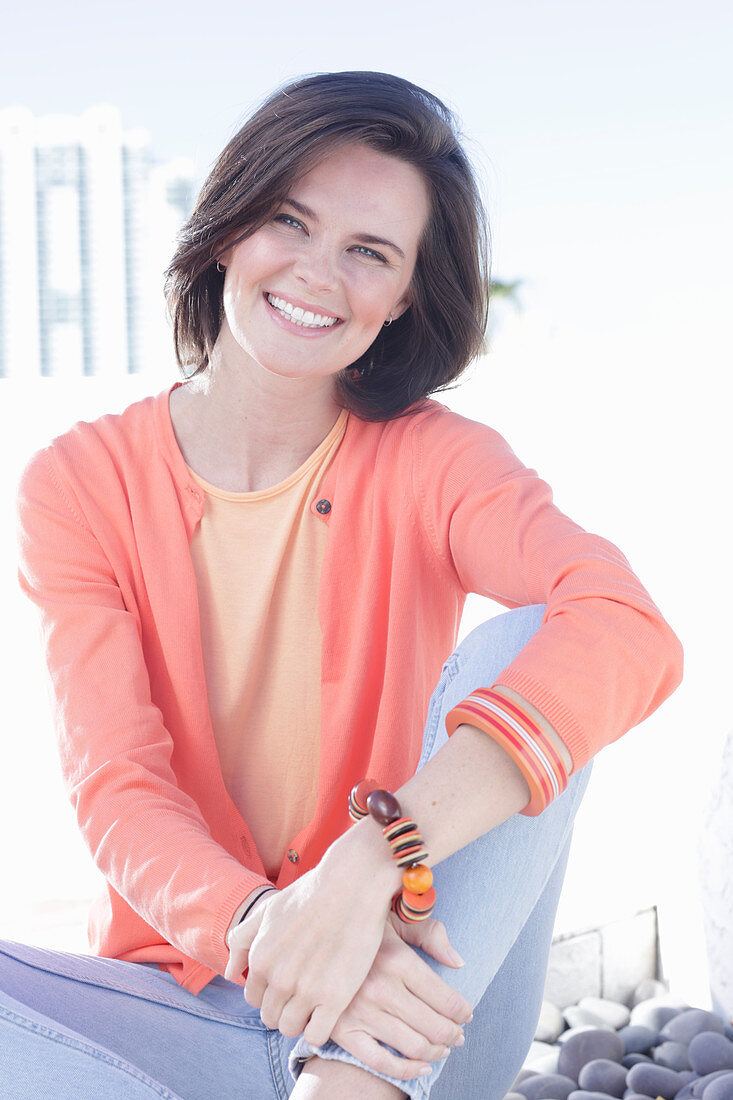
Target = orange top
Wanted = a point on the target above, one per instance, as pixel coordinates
(419, 511)
(257, 558)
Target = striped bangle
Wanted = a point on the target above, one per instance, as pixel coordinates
(250, 907)
(415, 901)
(526, 742)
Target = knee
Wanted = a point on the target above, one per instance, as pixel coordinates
(500, 639)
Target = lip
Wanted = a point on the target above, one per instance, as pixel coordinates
(298, 302)
(299, 330)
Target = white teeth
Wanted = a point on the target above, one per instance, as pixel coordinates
(301, 317)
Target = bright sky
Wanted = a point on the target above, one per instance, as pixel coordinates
(605, 134)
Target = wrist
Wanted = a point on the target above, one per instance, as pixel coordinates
(250, 902)
(364, 847)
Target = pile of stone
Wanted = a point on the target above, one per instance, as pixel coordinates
(660, 1049)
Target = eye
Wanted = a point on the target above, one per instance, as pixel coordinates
(370, 253)
(288, 219)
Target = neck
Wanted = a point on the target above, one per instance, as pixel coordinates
(244, 431)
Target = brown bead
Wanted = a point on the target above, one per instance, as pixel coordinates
(383, 807)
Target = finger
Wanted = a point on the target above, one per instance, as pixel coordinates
(272, 1005)
(378, 1058)
(424, 983)
(238, 963)
(420, 1021)
(240, 943)
(293, 1019)
(318, 1029)
(385, 997)
(431, 936)
(254, 988)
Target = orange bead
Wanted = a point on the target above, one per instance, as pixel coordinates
(420, 903)
(417, 879)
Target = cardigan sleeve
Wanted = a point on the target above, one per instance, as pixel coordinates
(146, 835)
(604, 658)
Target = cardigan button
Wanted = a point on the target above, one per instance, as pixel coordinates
(324, 507)
(293, 855)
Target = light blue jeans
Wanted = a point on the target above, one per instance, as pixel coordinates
(78, 1026)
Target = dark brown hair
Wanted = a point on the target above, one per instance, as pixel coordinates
(430, 345)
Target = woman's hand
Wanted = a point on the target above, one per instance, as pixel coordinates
(310, 946)
(404, 1003)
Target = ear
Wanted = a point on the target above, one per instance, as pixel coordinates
(402, 306)
(224, 252)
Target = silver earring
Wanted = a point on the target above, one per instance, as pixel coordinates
(389, 320)
(220, 266)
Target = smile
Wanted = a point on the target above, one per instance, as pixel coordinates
(301, 317)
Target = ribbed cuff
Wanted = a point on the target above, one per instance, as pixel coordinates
(511, 726)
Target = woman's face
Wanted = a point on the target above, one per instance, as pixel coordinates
(307, 293)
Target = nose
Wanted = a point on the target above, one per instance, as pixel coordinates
(316, 267)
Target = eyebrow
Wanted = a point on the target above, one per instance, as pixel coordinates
(367, 238)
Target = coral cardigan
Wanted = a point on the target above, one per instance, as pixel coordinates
(420, 511)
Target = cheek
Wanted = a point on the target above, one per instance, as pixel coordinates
(369, 298)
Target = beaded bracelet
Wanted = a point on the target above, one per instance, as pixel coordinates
(415, 901)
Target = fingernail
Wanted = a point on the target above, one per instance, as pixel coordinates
(460, 1041)
(456, 958)
(468, 1021)
(424, 1071)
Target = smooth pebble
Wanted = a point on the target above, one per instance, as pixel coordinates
(709, 1051)
(688, 1024)
(550, 1023)
(536, 1050)
(655, 1013)
(654, 1080)
(699, 1086)
(602, 1075)
(647, 989)
(587, 1045)
(576, 1016)
(547, 1086)
(720, 1089)
(547, 1063)
(614, 1013)
(634, 1058)
(638, 1039)
(685, 1093)
(523, 1074)
(574, 1031)
(672, 1055)
(583, 1094)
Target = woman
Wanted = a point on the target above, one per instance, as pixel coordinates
(250, 586)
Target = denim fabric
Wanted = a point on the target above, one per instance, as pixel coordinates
(497, 897)
(81, 1026)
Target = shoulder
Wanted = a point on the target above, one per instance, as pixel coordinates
(98, 460)
(436, 439)
(114, 446)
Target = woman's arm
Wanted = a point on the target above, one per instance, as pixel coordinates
(314, 943)
(604, 658)
(144, 832)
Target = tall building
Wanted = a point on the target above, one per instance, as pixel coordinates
(87, 226)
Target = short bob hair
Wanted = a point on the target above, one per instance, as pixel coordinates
(435, 339)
